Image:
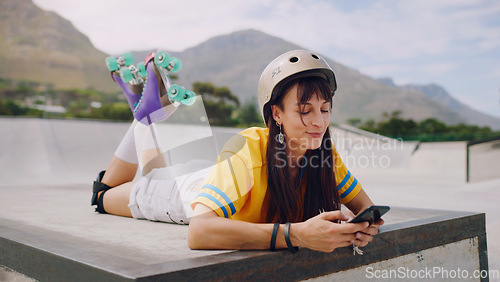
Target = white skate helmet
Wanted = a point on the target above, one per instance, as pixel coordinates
(286, 67)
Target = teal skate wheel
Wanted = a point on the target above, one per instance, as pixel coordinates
(129, 58)
(111, 64)
(142, 69)
(126, 74)
(176, 92)
(162, 59)
(177, 64)
(189, 98)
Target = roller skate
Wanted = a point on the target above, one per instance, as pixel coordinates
(160, 97)
(127, 76)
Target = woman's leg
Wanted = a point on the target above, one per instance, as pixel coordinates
(116, 200)
(149, 153)
(120, 173)
(123, 165)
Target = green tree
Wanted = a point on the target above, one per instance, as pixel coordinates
(369, 125)
(11, 108)
(397, 127)
(113, 111)
(220, 104)
(431, 129)
(250, 116)
(354, 121)
(432, 126)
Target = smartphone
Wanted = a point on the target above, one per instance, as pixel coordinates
(371, 214)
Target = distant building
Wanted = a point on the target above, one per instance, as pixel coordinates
(50, 108)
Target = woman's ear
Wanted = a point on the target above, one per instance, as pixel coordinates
(275, 110)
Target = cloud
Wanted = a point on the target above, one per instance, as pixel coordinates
(439, 68)
(380, 70)
(385, 31)
(381, 30)
(411, 41)
(496, 74)
(120, 25)
(404, 71)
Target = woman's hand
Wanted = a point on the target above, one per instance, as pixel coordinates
(321, 233)
(365, 236)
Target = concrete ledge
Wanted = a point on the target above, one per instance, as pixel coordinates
(47, 255)
(49, 232)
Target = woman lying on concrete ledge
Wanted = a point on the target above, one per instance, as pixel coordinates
(276, 187)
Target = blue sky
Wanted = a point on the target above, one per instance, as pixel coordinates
(453, 43)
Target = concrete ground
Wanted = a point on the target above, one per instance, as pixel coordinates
(47, 167)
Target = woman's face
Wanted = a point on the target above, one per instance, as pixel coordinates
(304, 133)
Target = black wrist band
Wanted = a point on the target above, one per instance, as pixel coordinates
(273, 237)
(291, 248)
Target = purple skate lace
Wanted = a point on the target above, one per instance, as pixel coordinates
(149, 108)
(132, 98)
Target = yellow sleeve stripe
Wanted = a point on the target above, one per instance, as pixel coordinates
(210, 204)
(223, 195)
(218, 203)
(351, 195)
(351, 187)
(344, 182)
(348, 188)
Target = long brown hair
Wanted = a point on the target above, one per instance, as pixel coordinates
(321, 192)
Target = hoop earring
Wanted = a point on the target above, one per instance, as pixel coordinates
(281, 136)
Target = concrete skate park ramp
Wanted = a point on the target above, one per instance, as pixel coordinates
(36, 151)
(483, 160)
(60, 151)
(365, 150)
(438, 161)
(49, 232)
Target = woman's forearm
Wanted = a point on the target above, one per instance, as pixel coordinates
(208, 231)
(360, 202)
(213, 232)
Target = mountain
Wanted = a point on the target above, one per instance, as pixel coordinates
(236, 60)
(441, 96)
(38, 45)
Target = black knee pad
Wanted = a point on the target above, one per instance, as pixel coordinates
(100, 205)
(98, 187)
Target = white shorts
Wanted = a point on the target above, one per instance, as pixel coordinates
(165, 194)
